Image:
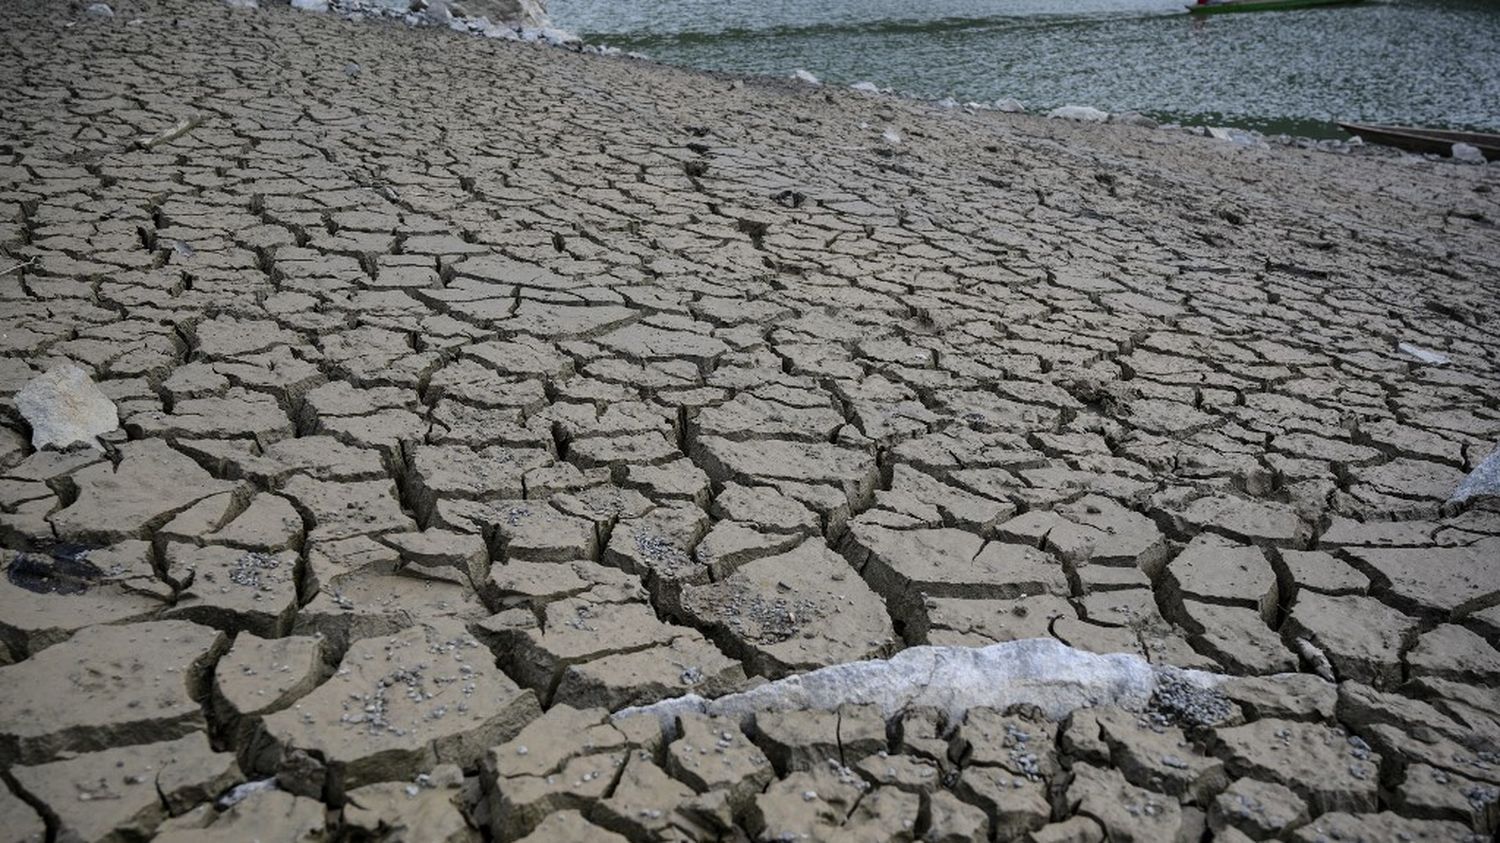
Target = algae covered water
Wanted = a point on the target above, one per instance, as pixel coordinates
(1425, 62)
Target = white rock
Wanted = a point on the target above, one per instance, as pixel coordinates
(1038, 671)
(1426, 356)
(244, 791)
(1081, 113)
(310, 5)
(64, 407)
(890, 136)
(947, 102)
(1238, 137)
(803, 76)
(242, 4)
(1010, 105)
(1467, 153)
(865, 87)
(99, 10)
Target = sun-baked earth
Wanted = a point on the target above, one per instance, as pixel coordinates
(469, 391)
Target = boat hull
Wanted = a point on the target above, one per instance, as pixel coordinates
(1262, 6)
(1415, 139)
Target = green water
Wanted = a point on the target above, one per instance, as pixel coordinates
(1425, 62)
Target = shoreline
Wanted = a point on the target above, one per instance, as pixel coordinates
(542, 32)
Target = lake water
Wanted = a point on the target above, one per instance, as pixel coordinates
(1426, 62)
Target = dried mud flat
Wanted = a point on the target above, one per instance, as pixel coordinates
(469, 392)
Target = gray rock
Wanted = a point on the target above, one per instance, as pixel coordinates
(1467, 153)
(1423, 354)
(1483, 481)
(64, 407)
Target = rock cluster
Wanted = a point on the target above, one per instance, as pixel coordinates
(462, 405)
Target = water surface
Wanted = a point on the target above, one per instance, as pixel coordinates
(1426, 62)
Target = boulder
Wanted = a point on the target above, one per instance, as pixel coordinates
(65, 408)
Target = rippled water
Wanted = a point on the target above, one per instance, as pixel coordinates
(1427, 62)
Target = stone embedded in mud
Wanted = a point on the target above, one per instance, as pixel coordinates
(399, 705)
(64, 408)
(107, 686)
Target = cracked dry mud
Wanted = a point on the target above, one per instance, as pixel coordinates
(470, 392)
